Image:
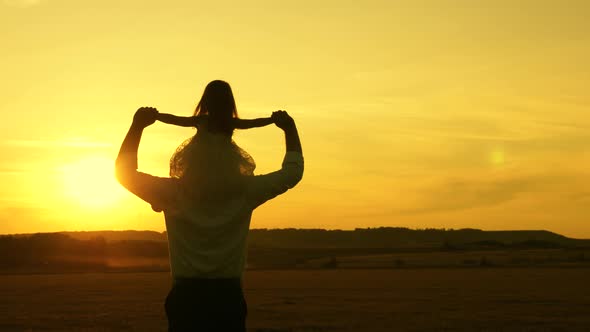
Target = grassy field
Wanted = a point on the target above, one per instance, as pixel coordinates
(467, 299)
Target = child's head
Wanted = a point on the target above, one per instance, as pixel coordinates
(218, 103)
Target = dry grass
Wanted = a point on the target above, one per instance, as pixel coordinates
(494, 299)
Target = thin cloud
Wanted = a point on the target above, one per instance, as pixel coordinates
(461, 194)
(583, 196)
(10, 171)
(22, 3)
(68, 143)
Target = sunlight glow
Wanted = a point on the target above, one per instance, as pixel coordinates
(429, 114)
(90, 182)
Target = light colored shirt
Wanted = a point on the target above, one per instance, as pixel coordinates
(213, 246)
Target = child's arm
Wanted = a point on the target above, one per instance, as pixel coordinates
(182, 121)
(251, 123)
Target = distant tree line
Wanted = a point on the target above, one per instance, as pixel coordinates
(398, 237)
(274, 248)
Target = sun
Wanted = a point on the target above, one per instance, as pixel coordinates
(90, 182)
(497, 157)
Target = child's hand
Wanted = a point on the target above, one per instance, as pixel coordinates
(283, 120)
(145, 116)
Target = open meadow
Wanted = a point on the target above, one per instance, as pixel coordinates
(467, 299)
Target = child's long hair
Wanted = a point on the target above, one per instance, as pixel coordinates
(210, 166)
(219, 105)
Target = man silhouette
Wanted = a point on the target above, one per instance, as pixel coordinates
(207, 250)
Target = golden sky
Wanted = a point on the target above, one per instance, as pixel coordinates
(439, 113)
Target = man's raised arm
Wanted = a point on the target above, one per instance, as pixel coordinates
(268, 186)
(154, 190)
(286, 122)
